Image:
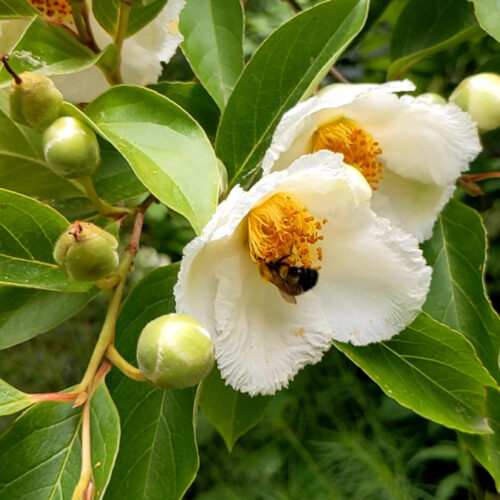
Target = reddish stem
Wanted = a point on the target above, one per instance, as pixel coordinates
(338, 75)
(60, 397)
(4, 58)
(481, 177)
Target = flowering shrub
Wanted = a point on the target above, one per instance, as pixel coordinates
(326, 216)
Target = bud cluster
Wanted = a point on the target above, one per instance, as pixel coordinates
(70, 146)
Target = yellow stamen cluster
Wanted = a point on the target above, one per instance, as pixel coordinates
(282, 229)
(58, 10)
(358, 147)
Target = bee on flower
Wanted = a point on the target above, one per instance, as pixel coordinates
(142, 53)
(296, 262)
(411, 151)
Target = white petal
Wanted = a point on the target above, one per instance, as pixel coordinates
(409, 204)
(374, 278)
(293, 134)
(432, 143)
(263, 341)
(172, 36)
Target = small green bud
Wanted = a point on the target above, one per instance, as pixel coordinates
(479, 95)
(71, 148)
(175, 351)
(87, 252)
(35, 101)
(432, 98)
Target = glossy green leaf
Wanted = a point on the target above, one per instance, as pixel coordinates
(231, 412)
(486, 448)
(107, 12)
(285, 69)
(169, 152)
(28, 231)
(25, 313)
(213, 44)
(457, 252)
(426, 27)
(16, 8)
(40, 454)
(194, 99)
(48, 49)
(12, 400)
(158, 457)
(431, 369)
(488, 15)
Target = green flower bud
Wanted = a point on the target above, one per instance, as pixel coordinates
(71, 148)
(175, 351)
(479, 95)
(432, 98)
(87, 252)
(34, 101)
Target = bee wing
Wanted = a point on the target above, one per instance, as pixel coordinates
(289, 298)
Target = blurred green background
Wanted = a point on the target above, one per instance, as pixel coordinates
(333, 434)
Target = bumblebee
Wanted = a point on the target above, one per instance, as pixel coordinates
(290, 280)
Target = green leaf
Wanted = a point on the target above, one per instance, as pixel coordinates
(25, 313)
(169, 152)
(485, 448)
(16, 8)
(457, 298)
(213, 44)
(231, 412)
(12, 400)
(195, 100)
(285, 69)
(40, 454)
(426, 27)
(158, 456)
(431, 369)
(488, 15)
(50, 50)
(28, 232)
(106, 12)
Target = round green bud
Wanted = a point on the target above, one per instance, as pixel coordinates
(71, 149)
(87, 252)
(175, 351)
(35, 101)
(479, 95)
(432, 98)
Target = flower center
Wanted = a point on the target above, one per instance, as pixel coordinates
(358, 147)
(283, 230)
(58, 10)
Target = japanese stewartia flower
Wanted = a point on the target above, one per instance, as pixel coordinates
(142, 52)
(299, 260)
(410, 151)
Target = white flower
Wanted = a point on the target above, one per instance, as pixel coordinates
(411, 151)
(372, 282)
(142, 53)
